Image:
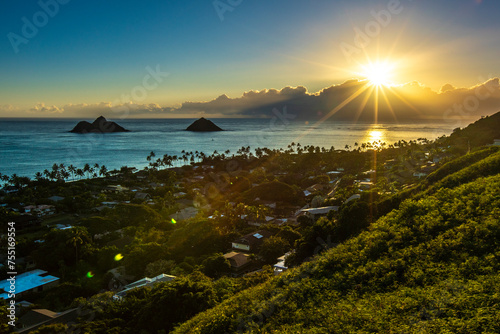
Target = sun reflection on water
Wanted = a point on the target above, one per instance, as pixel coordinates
(375, 135)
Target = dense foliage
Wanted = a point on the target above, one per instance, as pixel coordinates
(429, 266)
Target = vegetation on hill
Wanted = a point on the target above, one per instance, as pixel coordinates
(480, 133)
(431, 265)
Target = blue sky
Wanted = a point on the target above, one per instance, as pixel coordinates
(95, 51)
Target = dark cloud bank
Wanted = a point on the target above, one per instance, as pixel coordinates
(409, 102)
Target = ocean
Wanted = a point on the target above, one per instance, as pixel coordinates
(28, 146)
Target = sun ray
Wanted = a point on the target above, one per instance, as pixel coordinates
(376, 105)
(334, 111)
(389, 105)
(363, 103)
(404, 100)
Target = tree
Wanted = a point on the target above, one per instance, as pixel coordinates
(216, 265)
(78, 237)
(175, 302)
(103, 171)
(159, 267)
(272, 248)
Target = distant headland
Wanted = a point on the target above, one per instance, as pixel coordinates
(203, 125)
(100, 125)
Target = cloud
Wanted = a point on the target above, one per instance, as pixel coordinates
(107, 109)
(43, 109)
(404, 103)
(236, 106)
(9, 109)
(447, 87)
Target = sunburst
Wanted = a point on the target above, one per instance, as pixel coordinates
(378, 73)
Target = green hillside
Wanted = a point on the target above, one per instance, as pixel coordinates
(430, 266)
(480, 133)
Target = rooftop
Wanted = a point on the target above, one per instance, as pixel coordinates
(27, 281)
(320, 211)
(146, 281)
(237, 259)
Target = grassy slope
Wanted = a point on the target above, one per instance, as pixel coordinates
(431, 266)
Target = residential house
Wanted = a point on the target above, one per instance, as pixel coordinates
(240, 262)
(365, 185)
(115, 189)
(55, 198)
(315, 213)
(186, 213)
(38, 317)
(251, 242)
(179, 194)
(279, 266)
(419, 175)
(144, 282)
(316, 188)
(46, 210)
(32, 281)
(142, 196)
(353, 197)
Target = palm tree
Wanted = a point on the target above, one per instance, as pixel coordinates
(76, 239)
(72, 170)
(103, 171)
(86, 169)
(150, 156)
(38, 176)
(79, 172)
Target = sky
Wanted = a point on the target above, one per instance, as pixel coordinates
(234, 58)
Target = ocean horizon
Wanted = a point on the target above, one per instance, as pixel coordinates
(33, 145)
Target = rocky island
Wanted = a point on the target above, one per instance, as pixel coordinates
(203, 125)
(100, 125)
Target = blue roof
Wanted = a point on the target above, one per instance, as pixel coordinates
(27, 281)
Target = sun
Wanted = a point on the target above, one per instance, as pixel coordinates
(378, 73)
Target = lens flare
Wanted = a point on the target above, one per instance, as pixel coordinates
(118, 257)
(173, 221)
(90, 274)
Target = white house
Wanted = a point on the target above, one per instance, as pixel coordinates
(146, 281)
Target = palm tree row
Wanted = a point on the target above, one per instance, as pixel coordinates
(60, 172)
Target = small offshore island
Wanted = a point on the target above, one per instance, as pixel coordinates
(203, 125)
(100, 125)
